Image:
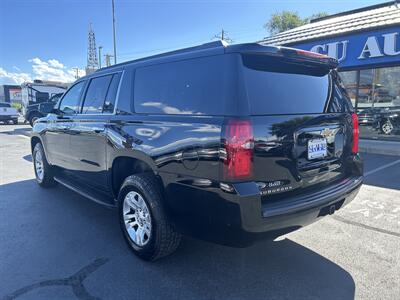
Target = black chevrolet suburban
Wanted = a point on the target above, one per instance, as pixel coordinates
(226, 143)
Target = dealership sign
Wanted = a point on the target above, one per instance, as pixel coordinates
(15, 95)
(367, 48)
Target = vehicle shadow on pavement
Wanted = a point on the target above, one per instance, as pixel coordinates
(59, 232)
(28, 157)
(267, 270)
(17, 131)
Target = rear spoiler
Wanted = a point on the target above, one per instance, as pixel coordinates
(290, 54)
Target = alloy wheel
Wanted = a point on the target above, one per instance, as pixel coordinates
(39, 167)
(387, 127)
(137, 218)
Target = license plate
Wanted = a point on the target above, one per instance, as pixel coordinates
(317, 148)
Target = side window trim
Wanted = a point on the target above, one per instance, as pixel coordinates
(133, 91)
(83, 97)
(118, 92)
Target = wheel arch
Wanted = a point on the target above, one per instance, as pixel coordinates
(34, 141)
(124, 166)
(32, 113)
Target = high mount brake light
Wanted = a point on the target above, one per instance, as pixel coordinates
(311, 54)
(356, 133)
(239, 144)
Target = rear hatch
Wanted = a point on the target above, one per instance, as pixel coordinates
(302, 122)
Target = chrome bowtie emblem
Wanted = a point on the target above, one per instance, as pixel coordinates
(326, 132)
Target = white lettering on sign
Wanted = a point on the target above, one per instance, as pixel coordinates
(371, 48)
(319, 48)
(389, 45)
(332, 49)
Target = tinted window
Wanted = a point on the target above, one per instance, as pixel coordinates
(111, 96)
(70, 102)
(276, 86)
(96, 95)
(196, 86)
(5, 105)
(42, 97)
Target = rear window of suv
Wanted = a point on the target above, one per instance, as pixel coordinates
(282, 88)
(198, 86)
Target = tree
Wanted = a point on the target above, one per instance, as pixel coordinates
(283, 21)
(315, 16)
(286, 20)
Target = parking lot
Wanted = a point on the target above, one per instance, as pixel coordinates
(55, 244)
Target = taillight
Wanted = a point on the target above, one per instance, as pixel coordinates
(356, 133)
(239, 144)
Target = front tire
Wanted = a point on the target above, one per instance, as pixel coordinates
(43, 171)
(143, 221)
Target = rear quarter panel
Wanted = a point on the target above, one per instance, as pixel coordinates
(181, 145)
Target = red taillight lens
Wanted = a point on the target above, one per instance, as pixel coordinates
(356, 133)
(239, 144)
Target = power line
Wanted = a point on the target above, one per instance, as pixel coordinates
(137, 54)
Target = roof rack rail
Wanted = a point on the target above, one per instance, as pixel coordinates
(209, 45)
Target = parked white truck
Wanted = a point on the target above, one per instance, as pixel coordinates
(8, 114)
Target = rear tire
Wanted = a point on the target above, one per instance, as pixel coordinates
(143, 221)
(33, 118)
(43, 171)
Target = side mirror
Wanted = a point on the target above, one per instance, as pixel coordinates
(57, 112)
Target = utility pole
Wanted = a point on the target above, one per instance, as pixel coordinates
(115, 44)
(223, 36)
(100, 47)
(108, 59)
(76, 73)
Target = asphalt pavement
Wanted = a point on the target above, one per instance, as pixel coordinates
(55, 244)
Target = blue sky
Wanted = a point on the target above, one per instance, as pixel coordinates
(47, 38)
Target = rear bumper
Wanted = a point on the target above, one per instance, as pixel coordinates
(240, 217)
(299, 211)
